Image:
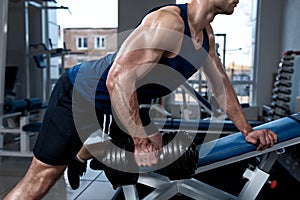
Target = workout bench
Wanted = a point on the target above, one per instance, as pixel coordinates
(24, 115)
(224, 151)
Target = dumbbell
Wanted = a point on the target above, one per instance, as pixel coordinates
(288, 70)
(279, 104)
(119, 164)
(288, 58)
(179, 154)
(283, 77)
(280, 111)
(180, 151)
(281, 90)
(286, 63)
(283, 83)
(281, 98)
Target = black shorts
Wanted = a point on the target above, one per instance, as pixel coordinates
(58, 141)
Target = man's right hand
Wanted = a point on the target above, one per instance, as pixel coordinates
(146, 151)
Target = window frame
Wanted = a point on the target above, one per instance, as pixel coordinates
(102, 42)
(82, 43)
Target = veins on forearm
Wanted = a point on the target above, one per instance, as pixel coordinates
(125, 103)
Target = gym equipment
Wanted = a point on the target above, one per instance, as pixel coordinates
(120, 167)
(117, 157)
(15, 106)
(26, 112)
(281, 94)
(224, 151)
(283, 83)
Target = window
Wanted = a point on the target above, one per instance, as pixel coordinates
(82, 43)
(235, 40)
(100, 42)
(235, 44)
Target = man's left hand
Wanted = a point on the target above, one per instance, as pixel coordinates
(263, 138)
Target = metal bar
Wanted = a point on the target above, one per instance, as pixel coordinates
(3, 35)
(130, 192)
(256, 180)
(27, 51)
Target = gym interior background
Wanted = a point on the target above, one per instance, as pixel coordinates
(32, 57)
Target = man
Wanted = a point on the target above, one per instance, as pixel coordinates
(177, 36)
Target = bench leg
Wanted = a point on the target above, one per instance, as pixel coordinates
(24, 137)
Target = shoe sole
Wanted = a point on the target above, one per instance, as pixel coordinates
(67, 179)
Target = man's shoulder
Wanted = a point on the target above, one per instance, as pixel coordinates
(167, 17)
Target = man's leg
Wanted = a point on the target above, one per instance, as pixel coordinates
(55, 147)
(36, 183)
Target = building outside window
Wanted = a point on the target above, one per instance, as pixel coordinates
(82, 43)
(100, 42)
(93, 43)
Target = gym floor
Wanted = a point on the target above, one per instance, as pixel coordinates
(95, 186)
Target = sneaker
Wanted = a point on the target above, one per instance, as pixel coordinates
(95, 164)
(73, 173)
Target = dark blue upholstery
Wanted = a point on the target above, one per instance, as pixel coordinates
(32, 127)
(233, 145)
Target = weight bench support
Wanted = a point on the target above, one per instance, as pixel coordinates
(226, 150)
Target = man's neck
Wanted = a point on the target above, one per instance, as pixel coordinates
(200, 14)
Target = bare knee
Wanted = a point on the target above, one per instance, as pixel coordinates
(37, 181)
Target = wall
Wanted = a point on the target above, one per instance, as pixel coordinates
(132, 11)
(277, 31)
(268, 49)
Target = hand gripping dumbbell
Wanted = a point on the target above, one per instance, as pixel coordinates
(177, 159)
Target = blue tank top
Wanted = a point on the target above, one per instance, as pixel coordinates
(163, 79)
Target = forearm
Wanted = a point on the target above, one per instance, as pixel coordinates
(125, 104)
(236, 114)
(225, 94)
(229, 103)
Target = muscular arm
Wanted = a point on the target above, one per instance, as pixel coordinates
(137, 56)
(227, 99)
